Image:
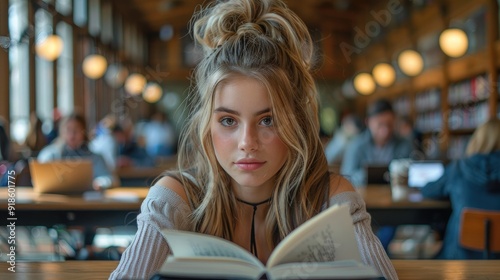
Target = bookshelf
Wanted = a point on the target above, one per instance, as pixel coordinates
(452, 96)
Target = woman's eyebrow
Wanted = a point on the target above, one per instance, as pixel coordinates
(227, 110)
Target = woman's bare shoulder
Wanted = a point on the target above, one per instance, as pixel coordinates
(339, 184)
(174, 185)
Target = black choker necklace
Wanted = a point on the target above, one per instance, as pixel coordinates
(253, 245)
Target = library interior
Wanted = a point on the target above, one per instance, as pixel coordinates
(122, 117)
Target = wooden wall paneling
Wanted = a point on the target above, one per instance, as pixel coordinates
(468, 66)
(429, 79)
(174, 51)
(399, 39)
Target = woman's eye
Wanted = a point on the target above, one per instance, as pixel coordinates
(267, 121)
(227, 121)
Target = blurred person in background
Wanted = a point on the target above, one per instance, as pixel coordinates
(473, 182)
(73, 143)
(378, 144)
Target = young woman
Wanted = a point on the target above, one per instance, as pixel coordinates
(252, 139)
(72, 143)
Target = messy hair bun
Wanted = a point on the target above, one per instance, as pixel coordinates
(244, 24)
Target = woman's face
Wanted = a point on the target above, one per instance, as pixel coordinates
(73, 134)
(245, 140)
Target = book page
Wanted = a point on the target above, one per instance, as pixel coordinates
(210, 268)
(186, 244)
(325, 270)
(329, 236)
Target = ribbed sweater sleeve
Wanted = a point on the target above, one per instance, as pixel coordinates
(162, 208)
(371, 250)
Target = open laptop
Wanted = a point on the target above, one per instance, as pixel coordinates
(422, 172)
(73, 176)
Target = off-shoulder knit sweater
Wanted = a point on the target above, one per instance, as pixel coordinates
(163, 208)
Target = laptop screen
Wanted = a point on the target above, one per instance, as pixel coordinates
(421, 173)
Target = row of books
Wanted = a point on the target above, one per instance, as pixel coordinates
(468, 116)
(471, 90)
(428, 100)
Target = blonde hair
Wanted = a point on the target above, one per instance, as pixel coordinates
(264, 40)
(486, 138)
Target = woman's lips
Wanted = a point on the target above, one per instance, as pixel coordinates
(249, 165)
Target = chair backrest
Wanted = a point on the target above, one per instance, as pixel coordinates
(480, 230)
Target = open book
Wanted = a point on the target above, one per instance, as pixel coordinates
(324, 247)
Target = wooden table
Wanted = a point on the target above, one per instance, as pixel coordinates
(144, 176)
(412, 209)
(406, 269)
(116, 207)
(121, 205)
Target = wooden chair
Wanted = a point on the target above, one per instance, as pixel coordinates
(480, 230)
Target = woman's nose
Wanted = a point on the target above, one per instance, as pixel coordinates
(249, 140)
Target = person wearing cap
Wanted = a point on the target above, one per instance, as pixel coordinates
(376, 145)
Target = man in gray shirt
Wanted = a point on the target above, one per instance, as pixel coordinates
(376, 145)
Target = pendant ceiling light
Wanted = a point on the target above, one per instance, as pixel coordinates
(364, 83)
(384, 74)
(454, 42)
(152, 92)
(135, 84)
(410, 62)
(94, 66)
(50, 47)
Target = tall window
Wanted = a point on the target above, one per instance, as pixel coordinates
(65, 70)
(64, 7)
(80, 13)
(44, 75)
(19, 70)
